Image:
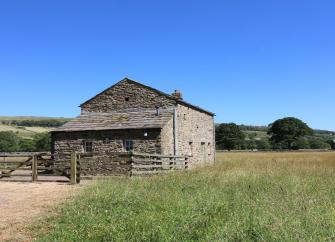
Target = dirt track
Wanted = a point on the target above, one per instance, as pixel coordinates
(21, 202)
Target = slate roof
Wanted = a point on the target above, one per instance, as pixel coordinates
(137, 119)
(180, 101)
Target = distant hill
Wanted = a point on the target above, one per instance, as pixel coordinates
(27, 126)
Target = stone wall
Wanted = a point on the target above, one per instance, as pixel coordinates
(121, 164)
(117, 164)
(195, 135)
(126, 95)
(107, 141)
(65, 142)
(106, 165)
(167, 138)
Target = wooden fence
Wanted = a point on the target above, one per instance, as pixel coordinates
(151, 164)
(34, 162)
(69, 165)
(131, 163)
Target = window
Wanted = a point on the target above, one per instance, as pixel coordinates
(127, 99)
(88, 146)
(209, 148)
(128, 145)
(190, 144)
(106, 141)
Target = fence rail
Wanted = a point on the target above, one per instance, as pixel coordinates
(138, 163)
(73, 164)
(151, 164)
(34, 162)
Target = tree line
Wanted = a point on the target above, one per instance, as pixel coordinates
(11, 142)
(283, 134)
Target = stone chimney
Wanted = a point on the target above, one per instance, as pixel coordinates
(177, 95)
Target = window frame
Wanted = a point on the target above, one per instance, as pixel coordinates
(128, 145)
(85, 146)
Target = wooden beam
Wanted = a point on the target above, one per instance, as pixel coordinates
(11, 162)
(34, 169)
(73, 168)
(23, 154)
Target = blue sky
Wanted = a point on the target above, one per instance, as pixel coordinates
(249, 62)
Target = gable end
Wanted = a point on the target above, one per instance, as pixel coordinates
(132, 95)
(127, 94)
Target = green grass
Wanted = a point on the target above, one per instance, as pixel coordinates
(243, 197)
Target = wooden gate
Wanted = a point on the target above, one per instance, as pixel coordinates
(34, 164)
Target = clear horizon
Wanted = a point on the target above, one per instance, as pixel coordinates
(249, 62)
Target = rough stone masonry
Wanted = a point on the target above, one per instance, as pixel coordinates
(130, 116)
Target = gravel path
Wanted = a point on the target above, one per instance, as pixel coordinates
(22, 202)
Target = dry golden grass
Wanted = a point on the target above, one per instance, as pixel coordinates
(274, 162)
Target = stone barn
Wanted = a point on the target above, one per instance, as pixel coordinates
(130, 116)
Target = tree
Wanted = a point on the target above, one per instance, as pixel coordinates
(331, 143)
(8, 141)
(252, 135)
(42, 142)
(278, 145)
(229, 136)
(319, 144)
(301, 143)
(27, 145)
(249, 144)
(263, 144)
(288, 130)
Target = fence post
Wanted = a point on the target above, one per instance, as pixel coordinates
(34, 169)
(73, 168)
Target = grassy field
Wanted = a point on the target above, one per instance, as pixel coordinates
(243, 197)
(24, 132)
